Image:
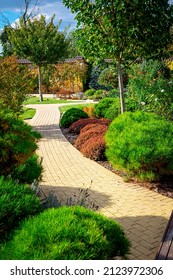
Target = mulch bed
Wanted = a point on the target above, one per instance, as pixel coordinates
(164, 187)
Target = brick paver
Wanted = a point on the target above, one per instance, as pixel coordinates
(142, 213)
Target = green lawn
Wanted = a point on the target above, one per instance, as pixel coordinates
(35, 100)
(80, 106)
(27, 114)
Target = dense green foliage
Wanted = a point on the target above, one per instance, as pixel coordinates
(39, 41)
(15, 84)
(72, 115)
(90, 92)
(108, 77)
(67, 233)
(94, 76)
(28, 171)
(17, 143)
(151, 87)
(122, 30)
(16, 202)
(142, 144)
(102, 106)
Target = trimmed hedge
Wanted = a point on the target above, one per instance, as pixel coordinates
(94, 148)
(142, 144)
(76, 127)
(71, 116)
(16, 203)
(92, 132)
(67, 233)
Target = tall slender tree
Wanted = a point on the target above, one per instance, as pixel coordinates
(122, 30)
(39, 41)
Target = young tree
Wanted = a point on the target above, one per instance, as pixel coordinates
(15, 84)
(122, 30)
(40, 42)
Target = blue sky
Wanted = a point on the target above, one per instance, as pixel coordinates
(10, 11)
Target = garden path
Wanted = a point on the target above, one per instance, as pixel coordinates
(142, 212)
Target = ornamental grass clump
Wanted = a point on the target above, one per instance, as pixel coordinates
(17, 201)
(67, 233)
(71, 116)
(141, 144)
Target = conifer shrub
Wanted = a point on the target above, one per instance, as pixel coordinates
(77, 126)
(17, 201)
(90, 92)
(67, 233)
(94, 148)
(114, 110)
(142, 144)
(102, 106)
(29, 171)
(71, 116)
(90, 133)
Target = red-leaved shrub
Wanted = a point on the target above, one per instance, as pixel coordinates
(99, 130)
(76, 127)
(94, 148)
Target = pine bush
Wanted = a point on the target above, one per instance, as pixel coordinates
(142, 144)
(71, 116)
(67, 233)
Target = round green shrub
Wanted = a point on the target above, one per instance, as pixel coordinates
(71, 116)
(101, 108)
(17, 202)
(90, 92)
(142, 144)
(67, 233)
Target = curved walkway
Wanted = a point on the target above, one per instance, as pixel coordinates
(142, 213)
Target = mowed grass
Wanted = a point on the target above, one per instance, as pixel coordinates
(35, 100)
(80, 106)
(28, 113)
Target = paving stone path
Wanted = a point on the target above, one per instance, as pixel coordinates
(142, 213)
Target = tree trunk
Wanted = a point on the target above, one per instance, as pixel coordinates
(121, 88)
(40, 83)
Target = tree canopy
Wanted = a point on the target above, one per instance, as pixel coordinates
(122, 30)
(39, 41)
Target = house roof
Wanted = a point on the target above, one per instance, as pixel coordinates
(23, 61)
(27, 61)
